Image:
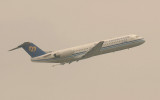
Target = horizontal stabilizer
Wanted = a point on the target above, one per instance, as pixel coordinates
(14, 49)
(20, 46)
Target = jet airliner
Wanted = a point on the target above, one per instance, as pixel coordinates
(77, 53)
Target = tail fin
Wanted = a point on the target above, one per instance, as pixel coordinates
(31, 49)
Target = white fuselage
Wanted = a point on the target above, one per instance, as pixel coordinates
(74, 54)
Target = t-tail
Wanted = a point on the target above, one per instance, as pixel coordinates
(31, 49)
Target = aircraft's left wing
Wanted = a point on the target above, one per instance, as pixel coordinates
(94, 50)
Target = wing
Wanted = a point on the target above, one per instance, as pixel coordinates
(94, 50)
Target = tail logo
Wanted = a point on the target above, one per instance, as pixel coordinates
(32, 48)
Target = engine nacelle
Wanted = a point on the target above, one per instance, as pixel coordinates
(62, 54)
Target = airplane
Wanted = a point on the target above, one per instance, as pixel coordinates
(77, 53)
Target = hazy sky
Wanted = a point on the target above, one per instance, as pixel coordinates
(57, 24)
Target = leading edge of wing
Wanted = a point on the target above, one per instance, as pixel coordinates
(94, 50)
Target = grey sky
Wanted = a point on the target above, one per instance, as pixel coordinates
(57, 24)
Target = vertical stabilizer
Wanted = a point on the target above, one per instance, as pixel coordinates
(31, 49)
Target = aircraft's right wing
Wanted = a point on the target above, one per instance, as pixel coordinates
(94, 50)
